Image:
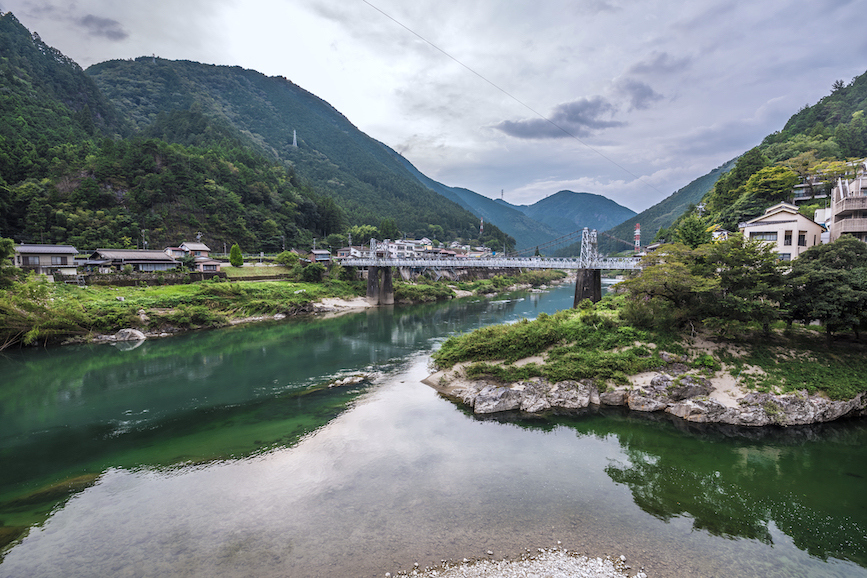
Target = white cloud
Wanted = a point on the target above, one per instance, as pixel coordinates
(666, 92)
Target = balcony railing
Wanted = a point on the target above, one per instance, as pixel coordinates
(850, 226)
(850, 204)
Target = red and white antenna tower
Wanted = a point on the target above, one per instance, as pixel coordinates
(637, 237)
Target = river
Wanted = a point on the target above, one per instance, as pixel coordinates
(224, 453)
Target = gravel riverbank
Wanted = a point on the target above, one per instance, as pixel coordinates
(544, 563)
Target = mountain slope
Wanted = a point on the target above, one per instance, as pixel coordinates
(660, 215)
(46, 101)
(332, 155)
(568, 211)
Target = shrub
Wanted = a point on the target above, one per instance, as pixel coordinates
(287, 259)
(236, 259)
(313, 272)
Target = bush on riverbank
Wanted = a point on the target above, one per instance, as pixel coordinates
(590, 342)
(599, 342)
(534, 278)
(421, 292)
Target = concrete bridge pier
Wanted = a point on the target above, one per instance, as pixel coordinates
(587, 286)
(380, 293)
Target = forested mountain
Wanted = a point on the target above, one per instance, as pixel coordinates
(165, 149)
(338, 161)
(46, 102)
(568, 211)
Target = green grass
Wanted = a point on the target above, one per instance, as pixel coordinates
(255, 271)
(36, 311)
(595, 342)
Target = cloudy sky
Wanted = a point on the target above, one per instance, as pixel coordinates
(626, 98)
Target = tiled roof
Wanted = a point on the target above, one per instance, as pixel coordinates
(195, 246)
(47, 249)
(131, 255)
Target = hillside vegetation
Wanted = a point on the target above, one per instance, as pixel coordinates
(817, 146)
(155, 151)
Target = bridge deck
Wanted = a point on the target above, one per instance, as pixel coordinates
(497, 263)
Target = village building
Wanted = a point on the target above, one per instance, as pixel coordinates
(46, 259)
(140, 260)
(849, 206)
(322, 256)
(200, 253)
(790, 232)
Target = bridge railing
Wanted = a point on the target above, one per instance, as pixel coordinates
(627, 263)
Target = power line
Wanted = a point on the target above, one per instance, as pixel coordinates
(516, 99)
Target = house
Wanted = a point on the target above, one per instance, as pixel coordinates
(849, 206)
(46, 259)
(202, 262)
(195, 249)
(141, 260)
(320, 256)
(791, 232)
(354, 252)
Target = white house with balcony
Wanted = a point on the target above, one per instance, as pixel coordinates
(790, 232)
(849, 206)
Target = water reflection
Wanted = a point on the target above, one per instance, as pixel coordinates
(218, 454)
(807, 482)
(68, 413)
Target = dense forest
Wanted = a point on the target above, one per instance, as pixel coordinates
(153, 151)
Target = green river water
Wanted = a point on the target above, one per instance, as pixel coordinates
(224, 453)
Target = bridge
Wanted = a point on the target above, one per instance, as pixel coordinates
(589, 266)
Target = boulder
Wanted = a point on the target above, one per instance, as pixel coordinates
(689, 386)
(638, 401)
(699, 411)
(129, 335)
(534, 396)
(613, 398)
(492, 399)
(571, 394)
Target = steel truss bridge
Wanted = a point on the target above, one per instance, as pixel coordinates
(589, 266)
(589, 259)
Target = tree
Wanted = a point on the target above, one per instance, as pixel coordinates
(188, 262)
(828, 283)
(772, 184)
(7, 269)
(751, 285)
(287, 259)
(313, 272)
(677, 275)
(388, 229)
(236, 259)
(693, 231)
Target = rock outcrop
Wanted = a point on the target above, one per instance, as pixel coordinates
(683, 395)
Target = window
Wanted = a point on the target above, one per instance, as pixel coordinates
(787, 238)
(28, 260)
(58, 260)
(764, 236)
(210, 267)
(802, 238)
(785, 256)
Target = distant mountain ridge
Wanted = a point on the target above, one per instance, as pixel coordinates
(567, 211)
(664, 213)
